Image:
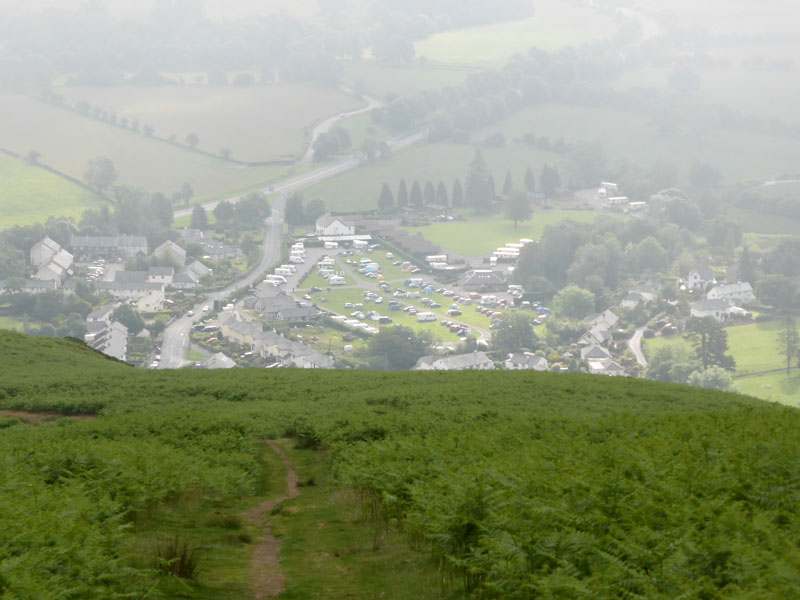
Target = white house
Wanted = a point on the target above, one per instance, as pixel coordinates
(162, 275)
(717, 308)
(700, 278)
(460, 362)
(149, 297)
(605, 366)
(102, 314)
(733, 293)
(110, 338)
(640, 294)
(525, 360)
(52, 262)
(333, 226)
(218, 361)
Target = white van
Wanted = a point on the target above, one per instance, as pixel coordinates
(426, 316)
(298, 260)
(331, 245)
(283, 272)
(291, 268)
(336, 280)
(279, 279)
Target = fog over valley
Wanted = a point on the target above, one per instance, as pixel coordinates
(243, 243)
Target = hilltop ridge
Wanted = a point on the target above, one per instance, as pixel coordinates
(517, 484)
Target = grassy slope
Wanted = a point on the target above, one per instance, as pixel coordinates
(29, 194)
(149, 163)
(369, 421)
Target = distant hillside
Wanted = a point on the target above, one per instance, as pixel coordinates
(520, 485)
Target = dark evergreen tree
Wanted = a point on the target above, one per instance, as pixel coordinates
(478, 193)
(530, 182)
(199, 218)
(429, 194)
(386, 200)
(416, 195)
(458, 194)
(402, 194)
(508, 184)
(710, 342)
(441, 194)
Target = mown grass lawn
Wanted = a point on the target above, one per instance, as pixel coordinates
(478, 237)
(30, 194)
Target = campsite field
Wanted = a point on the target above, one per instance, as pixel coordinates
(151, 164)
(30, 194)
(479, 237)
(257, 123)
(554, 25)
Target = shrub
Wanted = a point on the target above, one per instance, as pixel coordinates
(177, 557)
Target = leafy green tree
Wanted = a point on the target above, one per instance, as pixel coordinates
(789, 342)
(402, 194)
(671, 364)
(161, 207)
(252, 210)
(294, 213)
(573, 302)
(315, 208)
(416, 195)
(101, 174)
(518, 207)
(514, 332)
(199, 218)
(649, 255)
(224, 211)
(397, 348)
(713, 378)
(385, 200)
(778, 291)
(710, 342)
(128, 316)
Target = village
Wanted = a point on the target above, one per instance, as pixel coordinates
(346, 280)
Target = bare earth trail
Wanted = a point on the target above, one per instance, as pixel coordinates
(268, 581)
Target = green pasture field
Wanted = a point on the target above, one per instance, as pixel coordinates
(759, 222)
(479, 237)
(774, 388)
(625, 138)
(258, 123)
(68, 142)
(553, 26)
(362, 127)
(384, 81)
(753, 346)
(30, 194)
(10, 323)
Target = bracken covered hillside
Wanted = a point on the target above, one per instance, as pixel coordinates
(518, 485)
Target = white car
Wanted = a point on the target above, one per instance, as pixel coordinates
(205, 309)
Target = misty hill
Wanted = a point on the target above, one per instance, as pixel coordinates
(519, 485)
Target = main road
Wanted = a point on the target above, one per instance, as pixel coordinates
(176, 335)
